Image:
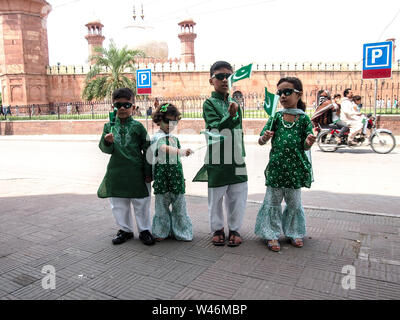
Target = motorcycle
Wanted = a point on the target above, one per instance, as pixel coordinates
(380, 140)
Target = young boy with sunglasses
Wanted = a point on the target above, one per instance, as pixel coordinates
(128, 175)
(224, 169)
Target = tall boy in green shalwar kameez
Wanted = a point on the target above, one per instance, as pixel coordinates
(224, 169)
(128, 175)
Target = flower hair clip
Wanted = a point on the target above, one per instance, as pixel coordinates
(164, 108)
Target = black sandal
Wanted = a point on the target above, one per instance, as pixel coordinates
(231, 242)
(221, 238)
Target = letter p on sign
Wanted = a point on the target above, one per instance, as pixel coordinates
(376, 54)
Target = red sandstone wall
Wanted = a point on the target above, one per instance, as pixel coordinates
(186, 126)
(68, 88)
(23, 51)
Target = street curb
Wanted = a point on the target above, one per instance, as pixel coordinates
(185, 139)
(342, 210)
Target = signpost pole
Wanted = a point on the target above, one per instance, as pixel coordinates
(144, 85)
(146, 108)
(375, 94)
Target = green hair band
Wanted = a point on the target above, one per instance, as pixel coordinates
(164, 108)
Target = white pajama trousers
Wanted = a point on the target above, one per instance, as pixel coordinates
(234, 198)
(121, 209)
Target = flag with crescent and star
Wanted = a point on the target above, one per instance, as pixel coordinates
(242, 73)
(270, 103)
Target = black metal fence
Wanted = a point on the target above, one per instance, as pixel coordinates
(192, 106)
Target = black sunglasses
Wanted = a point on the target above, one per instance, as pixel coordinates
(221, 76)
(287, 92)
(119, 105)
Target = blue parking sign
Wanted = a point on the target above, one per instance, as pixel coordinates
(377, 60)
(143, 81)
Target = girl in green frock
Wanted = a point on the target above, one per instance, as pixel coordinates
(289, 168)
(169, 183)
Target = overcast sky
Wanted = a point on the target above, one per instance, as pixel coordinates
(239, 31)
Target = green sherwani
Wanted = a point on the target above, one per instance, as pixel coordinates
(127, 169)
(224, 161)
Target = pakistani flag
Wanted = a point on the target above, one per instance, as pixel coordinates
(242, 73)
(270, 103)
(113, 116)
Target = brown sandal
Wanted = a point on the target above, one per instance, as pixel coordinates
(298, 243)
(273, 245)
(232, 237)
(221, 238)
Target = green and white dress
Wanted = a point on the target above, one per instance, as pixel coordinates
(169, 190)
(289, 169)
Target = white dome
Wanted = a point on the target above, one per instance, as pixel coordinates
(138, 35)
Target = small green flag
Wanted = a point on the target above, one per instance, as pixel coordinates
(113, 116)
(270, 103)
(242, 73)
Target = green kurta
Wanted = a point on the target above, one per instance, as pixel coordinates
(288, 165)
(127, 169)
(224, 161)
(168, 171)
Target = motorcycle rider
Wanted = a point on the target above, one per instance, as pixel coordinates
(328, 112)
(350, 116)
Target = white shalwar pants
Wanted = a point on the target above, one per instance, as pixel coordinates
(121, 209)
(234, 197)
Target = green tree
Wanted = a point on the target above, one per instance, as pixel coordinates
(109, 72)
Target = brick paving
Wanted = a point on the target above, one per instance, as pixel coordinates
(73, 233)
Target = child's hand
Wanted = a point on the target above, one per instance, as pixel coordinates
(268, 134)
(109, 138)
(265, 138)
(186, 152)
(310, 140)
(233, 109)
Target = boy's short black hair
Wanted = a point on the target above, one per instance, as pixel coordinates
(219, 65)
(355, 98)
(346, 92)
(337, 95)
(123, 93)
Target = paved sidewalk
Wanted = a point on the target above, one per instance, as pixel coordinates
(73, 233)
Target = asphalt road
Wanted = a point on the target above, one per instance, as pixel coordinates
(354, 180)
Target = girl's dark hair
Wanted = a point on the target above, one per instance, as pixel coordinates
(158, 115)
(298, 86)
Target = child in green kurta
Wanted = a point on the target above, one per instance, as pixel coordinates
(225, 167)
(289, 168)
(169, 182)
(128, 175)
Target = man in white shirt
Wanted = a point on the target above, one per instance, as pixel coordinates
(350, 116)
